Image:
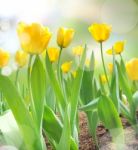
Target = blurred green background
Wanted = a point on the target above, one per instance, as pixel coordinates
(78, 14)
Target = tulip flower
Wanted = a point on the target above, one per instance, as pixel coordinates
(4, 58)
(65, 67)
(78, 50)
(65, 36)
(132, 69)
(34, 37)
(21, 58)
(118, 48)
(53, 54)
(100, 32)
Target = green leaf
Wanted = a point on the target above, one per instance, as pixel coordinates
(9, 131)
(50, 120)
(76, 92)
(92, 123)
(110, 118)
(125, 111)
(95, 89)
(38, 86)
(127, 91)
(55, 84)
(87, 96)
(67, 83)
(123, 67)
(114, 89)
(102, 86)
(50, 98)
(21, 113)
(64, 143)
(135, 99)
(92, 105)
(124, 84)
(86, 87)
(92, 62)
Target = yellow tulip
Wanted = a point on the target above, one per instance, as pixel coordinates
(118, 48)
(65, 36)
(65, 67)
(53, 54)
(34, 37)
(110, 67)
(103, 79)
(100, 32)
(21, 58)
(4, 58)
(132, 69)
(78, 50)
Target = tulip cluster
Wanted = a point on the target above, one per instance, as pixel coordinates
(48, 105)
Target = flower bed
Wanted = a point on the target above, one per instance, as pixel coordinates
(48, 104)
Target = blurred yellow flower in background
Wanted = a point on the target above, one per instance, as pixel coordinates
(34, 37)
(110, 67)
(78, 50)
(74, 73)
(103, 79)
(118, 48)
(87, 62)
(21, 58)
(4, 58)
(53, 54)
(65, 67)
(132, 69)
(100, 32)
(65, 36)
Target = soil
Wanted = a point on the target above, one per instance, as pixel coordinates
(104, 138)
(105, 141)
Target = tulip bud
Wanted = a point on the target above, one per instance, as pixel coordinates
(65, 36)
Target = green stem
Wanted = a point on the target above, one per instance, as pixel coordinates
(59, 65)
(101, 48)
(121, 56)
(29, 70)
(16, 78)
(59, 59)
(29, 87)
(60, 77)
